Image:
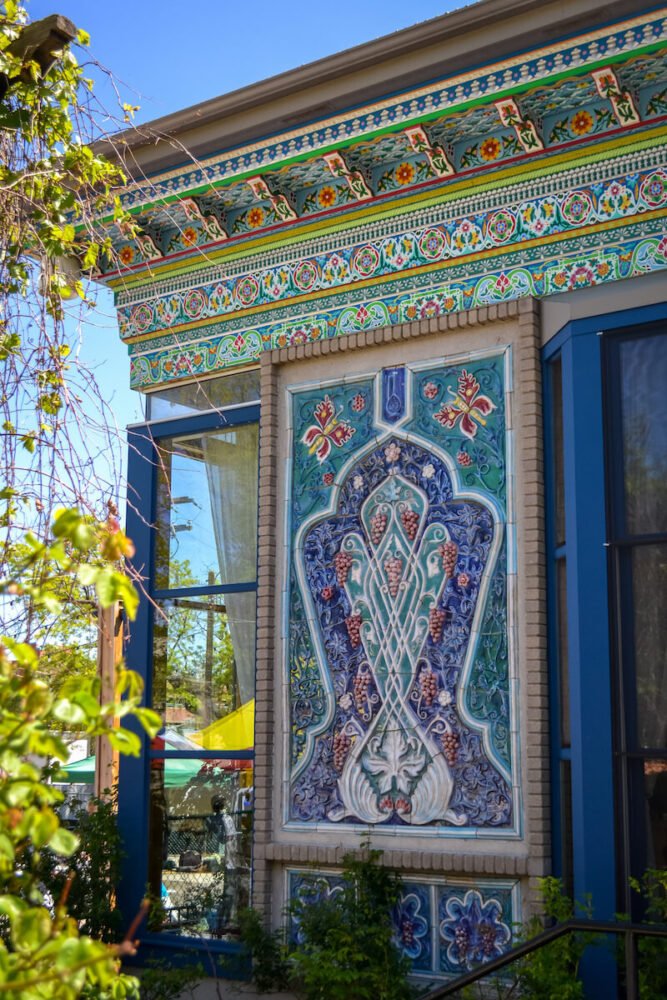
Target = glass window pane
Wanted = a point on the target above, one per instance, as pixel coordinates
(643, 377)
(204, 670)
(563, 653)
(206, 394)
(567, 844)
(557, 445)
(649, 592)
(655, 793)
(199, 845)
(207, 509)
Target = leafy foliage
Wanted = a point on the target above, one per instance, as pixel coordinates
(160, 981)
(44, 952)
(652, 887)
(270, 963)
(343, 943)
(54, 558)
(53, 185)
(90, 875)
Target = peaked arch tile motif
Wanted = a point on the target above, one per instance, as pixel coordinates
(400, 709)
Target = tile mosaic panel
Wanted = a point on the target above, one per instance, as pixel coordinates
(582, 265)
(445, 928)
(398, 664)
(422, 249)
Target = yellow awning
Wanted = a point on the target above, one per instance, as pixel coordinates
(235, 731)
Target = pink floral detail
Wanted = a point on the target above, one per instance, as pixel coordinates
(581, 277)
(661, 249)
(326, 593)
(328, 478)
(468, 406)
(464, 459)
(463, 580)
(430, 390)
(239, 342)
(328, 430)
(503, 283)
(358, 402)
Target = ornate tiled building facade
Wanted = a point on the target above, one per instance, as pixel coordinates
(397, 270)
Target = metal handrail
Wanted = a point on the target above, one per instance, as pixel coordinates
(631, 931)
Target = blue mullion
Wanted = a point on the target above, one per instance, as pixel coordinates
(593, 820)
(212, 420)
(552, 617)
(168, 593)
(134, 777)
(591, 768)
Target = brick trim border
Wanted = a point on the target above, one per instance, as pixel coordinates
(531, 624)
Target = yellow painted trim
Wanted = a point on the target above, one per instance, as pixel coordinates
(423, 199)
(384, 279)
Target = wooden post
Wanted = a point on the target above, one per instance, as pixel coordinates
(109, 654)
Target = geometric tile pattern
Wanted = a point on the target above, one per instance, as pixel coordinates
(505, 226)
(538, 68)
(581, 265)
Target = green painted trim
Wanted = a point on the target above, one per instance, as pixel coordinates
(507, 178)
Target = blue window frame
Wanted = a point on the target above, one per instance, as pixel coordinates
(635, 369)
(185, 805)
(592, 650)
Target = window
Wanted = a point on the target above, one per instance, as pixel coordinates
(559, 658)
(197, 527)
(636, 409)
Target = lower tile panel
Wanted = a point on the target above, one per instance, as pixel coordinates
(445, 927)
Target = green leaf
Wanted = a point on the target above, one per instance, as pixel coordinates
(6, 847)
(87, 574)
(12, 906)
(124, 741)
(18, 793)
(31, 928)
(64, 842)
(67, 711)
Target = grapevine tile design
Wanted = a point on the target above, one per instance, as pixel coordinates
(445, 928)
(400, 710)
(437, 244)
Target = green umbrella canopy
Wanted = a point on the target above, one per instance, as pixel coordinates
(176, 772)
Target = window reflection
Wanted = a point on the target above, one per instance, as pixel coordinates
(199, 852)
(207, 509)
(643, 370)
(655, 797)
(204, 668)
(649, 593)
(203, 394)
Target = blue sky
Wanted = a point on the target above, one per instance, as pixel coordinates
(169, 55)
